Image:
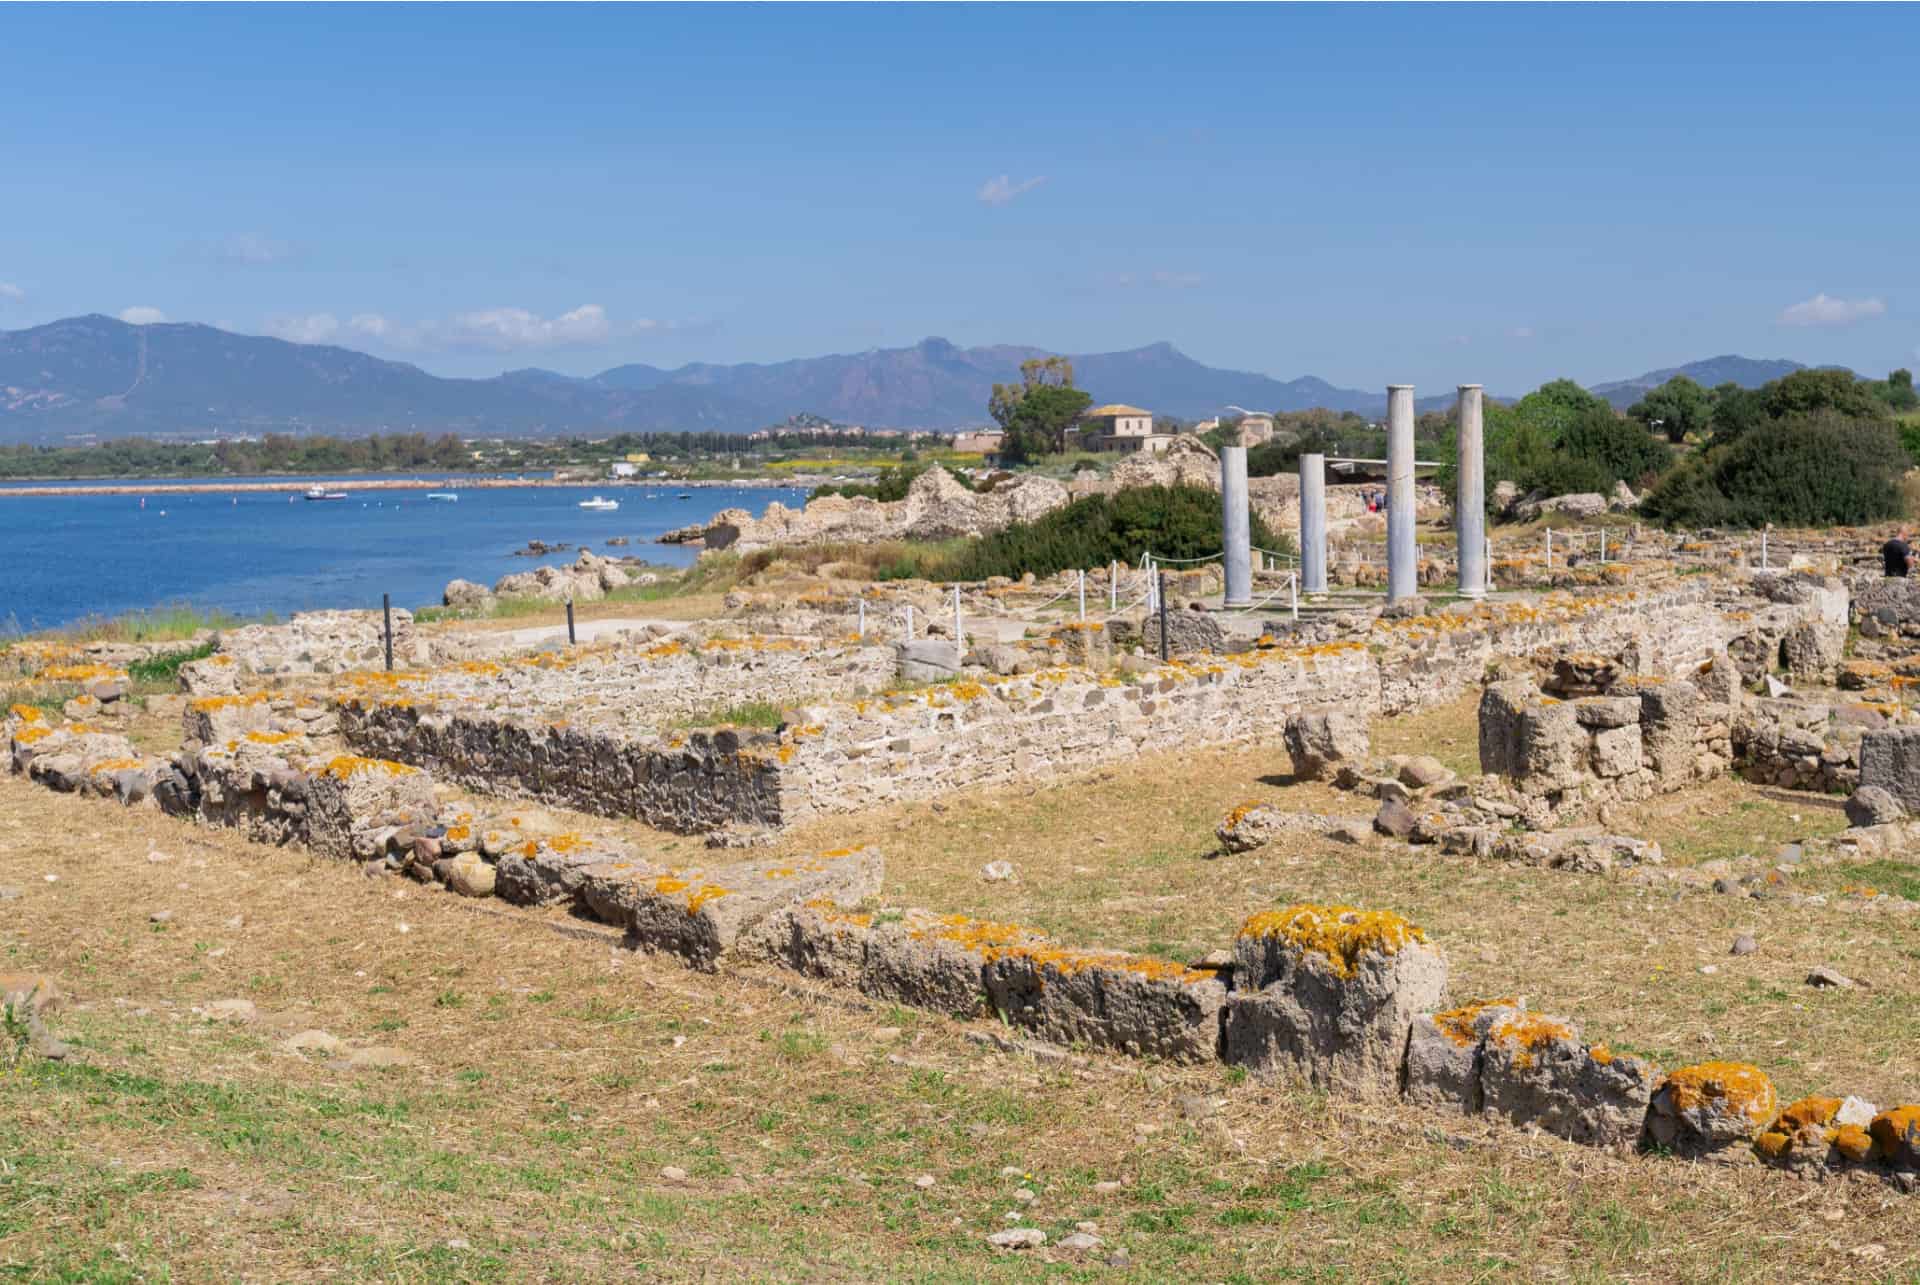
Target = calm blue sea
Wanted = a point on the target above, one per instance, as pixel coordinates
(66, 557)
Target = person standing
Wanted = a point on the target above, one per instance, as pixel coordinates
(1896, 555)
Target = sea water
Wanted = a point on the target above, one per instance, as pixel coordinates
(256, 552)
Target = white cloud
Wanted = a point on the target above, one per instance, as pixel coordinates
(1177, 280)
(142, 315)
(510, 329)
(1001, 189)
(1520, 332)
(1825, 310)
(313, 328)
(371, 324)
(8, 290)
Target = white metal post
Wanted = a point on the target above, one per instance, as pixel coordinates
(1489, 562)
(1113, 587)
(959, 634)
(1763, 548)
(1603, 546)
(861, 603)
(1293, 593)
(1549, 548)
(1083, 597)
(909, 622)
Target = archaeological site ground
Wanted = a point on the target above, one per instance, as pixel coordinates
(1558, 923)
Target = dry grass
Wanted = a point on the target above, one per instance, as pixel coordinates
(552, 1076)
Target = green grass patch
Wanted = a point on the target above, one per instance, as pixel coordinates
(762, 714)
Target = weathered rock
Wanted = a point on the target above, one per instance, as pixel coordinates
(1890, 759)
(1424, 772)
(1707, 1108)
(1873, 805)
(1139, 1005)
(1395, 819)
(1896, 1137)
(928, 660)
(1535, 1070)
(1321, 741)
(1329, 994)
(1444, 1052)
(469, 875)
(1188, 633)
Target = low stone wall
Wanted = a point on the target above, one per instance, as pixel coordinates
(310, 643)
(859, 754)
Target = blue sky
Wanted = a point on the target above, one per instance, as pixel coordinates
(1370, 194)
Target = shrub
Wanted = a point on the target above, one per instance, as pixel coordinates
(1621, 449)
(1171, 522)
(1818, 470)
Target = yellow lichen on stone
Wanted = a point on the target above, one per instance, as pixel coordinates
(26, 713)
(1340, 934)
(1892, 1127)
(343, 766)
(1853, 1142)
(1740, 1087)
(1807, 1112)
(28, 735)
(1457, 1024)
(1528, 1033)
(208, 704)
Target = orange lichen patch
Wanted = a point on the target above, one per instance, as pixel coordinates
(1602, 1054)
(459, 833)
(1891, 1129)
(1341, 934)
(1457, 1023)
(834, 854)
(833, 914)
(208, 704)
(221, 659)
(343, 766)
(82, 673)
(28, 735)
(26, 713)
(1737, 1086)
(1853, 1142)
(1530, 1032)
(477, 667)
(381, 678)
(114, 765)
(1807, 1112)
(1241, 812)
(1772, 1145)
(273, 738)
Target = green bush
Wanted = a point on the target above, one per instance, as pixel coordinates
(1171, 522)
(1622, 450)
(1816, 470)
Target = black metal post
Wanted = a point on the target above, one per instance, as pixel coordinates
(1162, 591)
(386, 613)
(570, 639)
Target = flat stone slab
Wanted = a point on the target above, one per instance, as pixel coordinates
(700, 914)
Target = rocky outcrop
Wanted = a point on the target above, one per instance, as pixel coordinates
(589, 579)
(937, 507)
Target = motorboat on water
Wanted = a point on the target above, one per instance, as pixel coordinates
(449, 496)
(600, 505)
(322, 493)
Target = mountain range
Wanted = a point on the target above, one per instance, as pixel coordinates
(101, 376)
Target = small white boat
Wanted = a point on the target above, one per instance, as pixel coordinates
(443, 495)
(600, 505)
(322, 493)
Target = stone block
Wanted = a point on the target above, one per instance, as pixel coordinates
(1616, 751)
(1890, 759)
(1444, 1051)
(1532, 739)
(1535, 1070)
(1873, 805)
(216, 720)
(1321, 741)
(1139, 1005)
(928, 661)
(1670, 716)
(544, 872)
(1329, 994)
(937, 962)
(1704, 1110)
(1814, 649)
(1601, 712)
(819, 939)
(1896, 1137)
(700, 914)
(349, 797)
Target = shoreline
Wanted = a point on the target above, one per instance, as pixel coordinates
(167, 486)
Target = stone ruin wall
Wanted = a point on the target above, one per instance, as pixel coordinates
(1348, 1001)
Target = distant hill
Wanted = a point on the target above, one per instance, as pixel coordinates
(1747, 372)
(98, 375)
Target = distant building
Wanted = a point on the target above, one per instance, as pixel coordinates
(623, 468)
(979, 441)
(1119, 427)
(1256, 430)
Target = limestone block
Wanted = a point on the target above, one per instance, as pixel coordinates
(1719, 681)
(1139, 1005)
(1535, 1070)
(1601, 712)
(1814, 649)
(1320, 741)
(819, 939)
(542, 872)
(1670, 714)
(1704, 1109)
(1616, 751)
(469, 875)
(1533, 739)
(936, 961)
(928, 660)
(1329, 994)
(349, 796)
(1444, 1052)
(215, 720)
(1188, 632)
